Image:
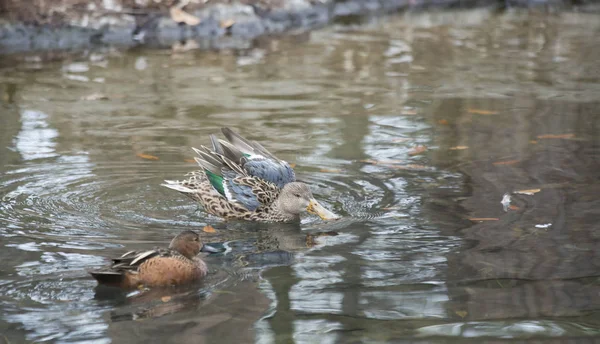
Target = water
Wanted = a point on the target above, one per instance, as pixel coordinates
(410, 126)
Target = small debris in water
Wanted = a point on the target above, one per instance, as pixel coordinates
(146, 156)
(417, 150)
(482, 112)
(209, 229)
(476, 219)
(95, 96)
(505, 202)
(528, 192)
(459, 147)
(556, 136)
(543, 226)
(506, 162)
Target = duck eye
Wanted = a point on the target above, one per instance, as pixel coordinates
(297, 195)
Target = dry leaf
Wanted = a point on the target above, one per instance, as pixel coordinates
(330, 170)
(408, 112)
(459, 147)
(180, 16)
(209, 229)
(506, 162)
(189, 160)
(461, 314)
(484, 219)
(513, 207)
(417, 150)
(528, 192)
(147, 156)
(227, 23)
(95, 96)
(442, 122)
(558, 136)
(533, 142)
(482, 112)
(165, 298)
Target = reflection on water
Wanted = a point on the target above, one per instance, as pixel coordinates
(412, 127)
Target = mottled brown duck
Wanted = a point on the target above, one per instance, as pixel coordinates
(241, 180)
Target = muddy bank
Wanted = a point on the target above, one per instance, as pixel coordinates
(75, 25)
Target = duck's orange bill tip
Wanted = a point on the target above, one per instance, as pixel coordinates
(317, 209)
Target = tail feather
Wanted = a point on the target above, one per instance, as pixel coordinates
(177, 186)
(238, 141)
(110, 278)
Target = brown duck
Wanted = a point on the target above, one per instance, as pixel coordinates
(179, 264)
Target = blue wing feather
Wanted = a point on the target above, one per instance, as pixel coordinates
(241, 193)
(276, 172)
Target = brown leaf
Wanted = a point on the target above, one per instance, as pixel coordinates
(556, 136)
(330, 170)
(417, 150)
(209, 229)
(506, 162)
(165, 298)
(180, 16)
(533, 142)
(408, 112)
(513, 207)
(459, 147)
(189, 160)
(475, 219)
(227, 23)
(146, 156)
(443, 122)
(528, 192)
(482, 112)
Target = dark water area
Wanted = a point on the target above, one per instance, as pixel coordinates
(461, 148)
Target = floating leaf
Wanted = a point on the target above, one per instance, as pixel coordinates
(461, 314)
(209, 229)
(443, 122)
(528, 192)
(165, 298)
(459, 147)
(513, 207)
(417, 150)
(330, 170)
(482, 112)
(227, 23)
(189, 160)
(556, 136)
(408, 112)
(180, 16)
(506, 162)
(147, 156)
(475, 219)
(533, 142)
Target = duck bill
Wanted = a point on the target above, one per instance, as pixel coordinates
(317, 209)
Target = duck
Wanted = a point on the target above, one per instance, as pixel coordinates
(177, 265)
(239, 179)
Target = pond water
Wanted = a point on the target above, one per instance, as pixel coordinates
(413, 127)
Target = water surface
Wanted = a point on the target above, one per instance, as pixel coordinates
(413, 127)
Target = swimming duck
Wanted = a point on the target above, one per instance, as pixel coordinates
(241, 180)
(159, 267)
